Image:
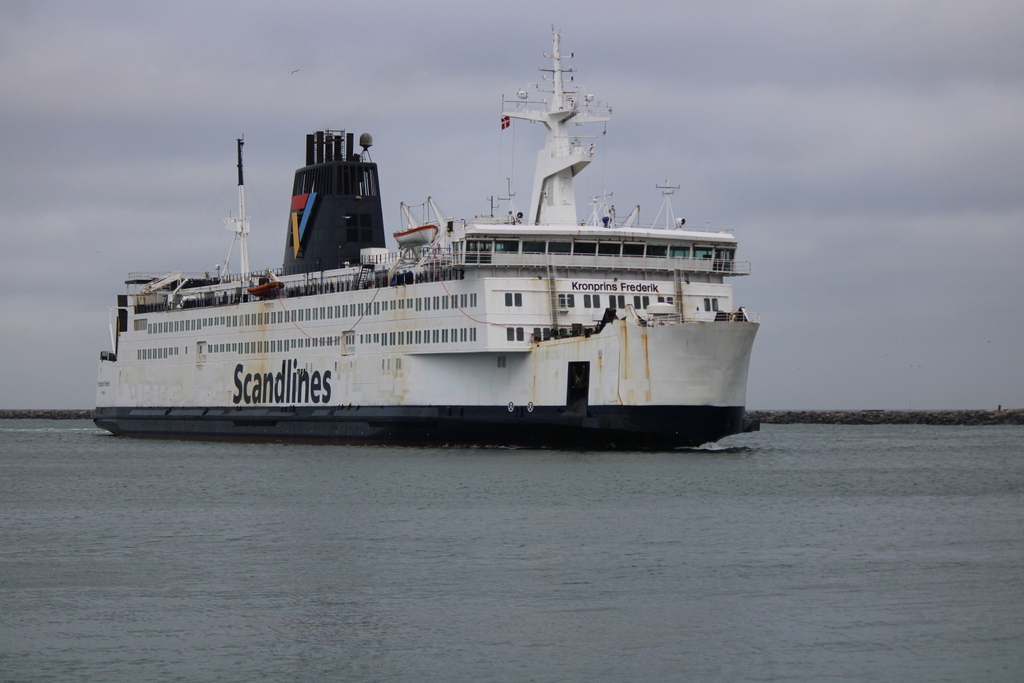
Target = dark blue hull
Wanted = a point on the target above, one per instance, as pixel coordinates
(595, 427)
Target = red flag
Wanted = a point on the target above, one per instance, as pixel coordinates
(505, 122)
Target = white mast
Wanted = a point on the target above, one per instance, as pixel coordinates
(240, 225)
(563, 156)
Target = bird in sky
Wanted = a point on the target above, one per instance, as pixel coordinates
(295, 71)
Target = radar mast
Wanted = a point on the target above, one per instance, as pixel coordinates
(553, 200)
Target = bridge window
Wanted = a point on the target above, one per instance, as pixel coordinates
(507, 246)
(530, 247)
(702, 252)
(633, 249)
(609, 248)
(657, 250)
(559, 247)
(584, 248)
(724, 254)
(678, 251)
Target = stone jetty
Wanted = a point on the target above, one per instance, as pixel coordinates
(45, 414)
(890, 417)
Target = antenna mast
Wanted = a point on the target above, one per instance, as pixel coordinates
(240, 225)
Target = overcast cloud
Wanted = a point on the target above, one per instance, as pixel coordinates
(869, 156)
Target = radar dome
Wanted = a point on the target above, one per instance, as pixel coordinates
(366, 140)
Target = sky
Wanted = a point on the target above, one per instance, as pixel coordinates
(868, 156)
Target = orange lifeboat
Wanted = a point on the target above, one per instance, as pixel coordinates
(265, 290)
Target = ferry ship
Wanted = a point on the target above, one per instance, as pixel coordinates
(534, 330)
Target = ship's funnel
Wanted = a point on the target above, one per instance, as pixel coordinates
(335, 207)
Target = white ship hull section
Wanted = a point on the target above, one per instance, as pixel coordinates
(700, 363)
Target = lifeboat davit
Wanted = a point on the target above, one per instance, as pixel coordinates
(418, 236)
(266, 289)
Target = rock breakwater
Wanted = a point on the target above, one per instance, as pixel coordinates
(45, 414)
(890, 417)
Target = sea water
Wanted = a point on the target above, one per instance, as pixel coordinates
(799, 553)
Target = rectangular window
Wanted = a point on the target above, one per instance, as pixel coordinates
(520, 336)
(507, 246)
(633, 249)
(510, 334)
(419, 337)
(472, 300)
(657, 250)
(566, 300)
(472, 334)
(707, 304)
(444, 336)
(588, 248)
(508, 298)
(679, 251)
(702, 252)
(559, 247)
(437, 336)
(533, 247)
(597, 301)
(586, 301)
(519, 299)
(609, 248)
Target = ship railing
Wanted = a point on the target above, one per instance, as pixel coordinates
(601, 262)
(656, 320)
(205, 278)
(374, 278)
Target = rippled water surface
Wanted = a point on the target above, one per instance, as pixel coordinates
(800, 553)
